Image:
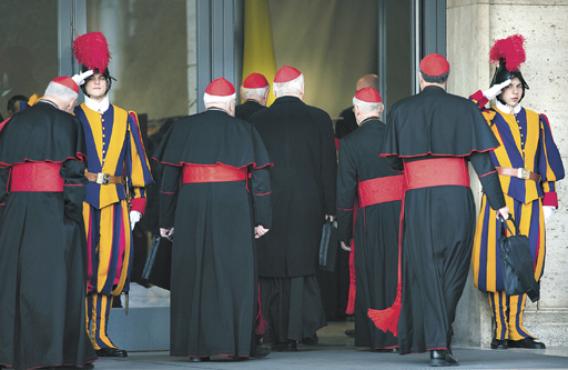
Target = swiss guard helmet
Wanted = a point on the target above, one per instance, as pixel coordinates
(92, 52)
(509, 53)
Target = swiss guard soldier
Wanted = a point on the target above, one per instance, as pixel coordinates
(214, 200)
(42, 241)
(433, 135)
(528, 164)
(379, 190)
(117, 172)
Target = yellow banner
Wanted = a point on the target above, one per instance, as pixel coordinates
(258, 53)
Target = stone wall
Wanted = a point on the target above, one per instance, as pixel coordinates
(472, 26)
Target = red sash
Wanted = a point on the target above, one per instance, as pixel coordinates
(380, 190)
(36, 177)
(434, 172)
(419, 174)
(201, 173)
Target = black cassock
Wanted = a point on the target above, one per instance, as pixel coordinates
(42, 243)
(335, 284)
(300, 142)
(376, 228)
(247, 109)
(439, 220)
(213, 278)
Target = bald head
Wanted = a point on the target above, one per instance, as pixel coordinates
(368, 80)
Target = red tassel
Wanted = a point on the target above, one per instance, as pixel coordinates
(350, 309)
(387, 319)
(511, 50)
(261, 323)
(91, 50)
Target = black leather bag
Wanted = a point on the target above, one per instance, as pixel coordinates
(518, 272)
(328, 246)
(157, 269)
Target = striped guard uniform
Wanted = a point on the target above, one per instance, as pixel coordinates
(114, 146)
(526, 141)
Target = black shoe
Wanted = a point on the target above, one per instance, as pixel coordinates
(86, 366)
(111, 352)
(311, 341)
(116, 302)
(261, 349)
(350, 333)
(529, 343)
(439, 358)
(290, 346)
(499, 344)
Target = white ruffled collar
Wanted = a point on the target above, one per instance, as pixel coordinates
(99, 106)
(507, 109)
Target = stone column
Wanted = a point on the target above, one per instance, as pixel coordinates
(472, 27)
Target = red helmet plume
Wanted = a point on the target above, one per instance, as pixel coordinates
(91, 50)
(511, 50)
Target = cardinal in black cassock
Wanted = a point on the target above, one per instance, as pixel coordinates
(214, 200)
(254, 91)
(299, 139)
(42, 238)
(379, 188)
(434, 135)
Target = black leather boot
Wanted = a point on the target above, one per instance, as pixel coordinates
(440, 358)
(111, 352)
(499, 343)
(528, 343)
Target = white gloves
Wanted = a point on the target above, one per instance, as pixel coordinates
(504, 213)
(345, 247)
(495, 90)
(548, 212)
(259, 231)
(135, 216)
(167, 233)
(80, 78)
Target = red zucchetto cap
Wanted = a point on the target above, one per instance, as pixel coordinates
(286, 74)
(220, 87)
(67, 82)
(434, 65)
(367, 95)
(255, 81)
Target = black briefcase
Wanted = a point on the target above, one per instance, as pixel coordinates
(328, 246)
(518, 272)
(157, 269)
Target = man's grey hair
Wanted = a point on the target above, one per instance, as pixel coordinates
(60, 91)
(294, 87)
(259, 93)
(367, 107)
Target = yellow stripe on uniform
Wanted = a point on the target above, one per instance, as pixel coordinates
(542, 243)
(525, 221)
(108, 193)
(491, 252)
(476, 251)
(87, 218)
(105, 246)
(94, 321)
(497, 303)
(531, 147)
(514, 313)
(105, 305)
(137, 172)
(96, 124)
(127, 248)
